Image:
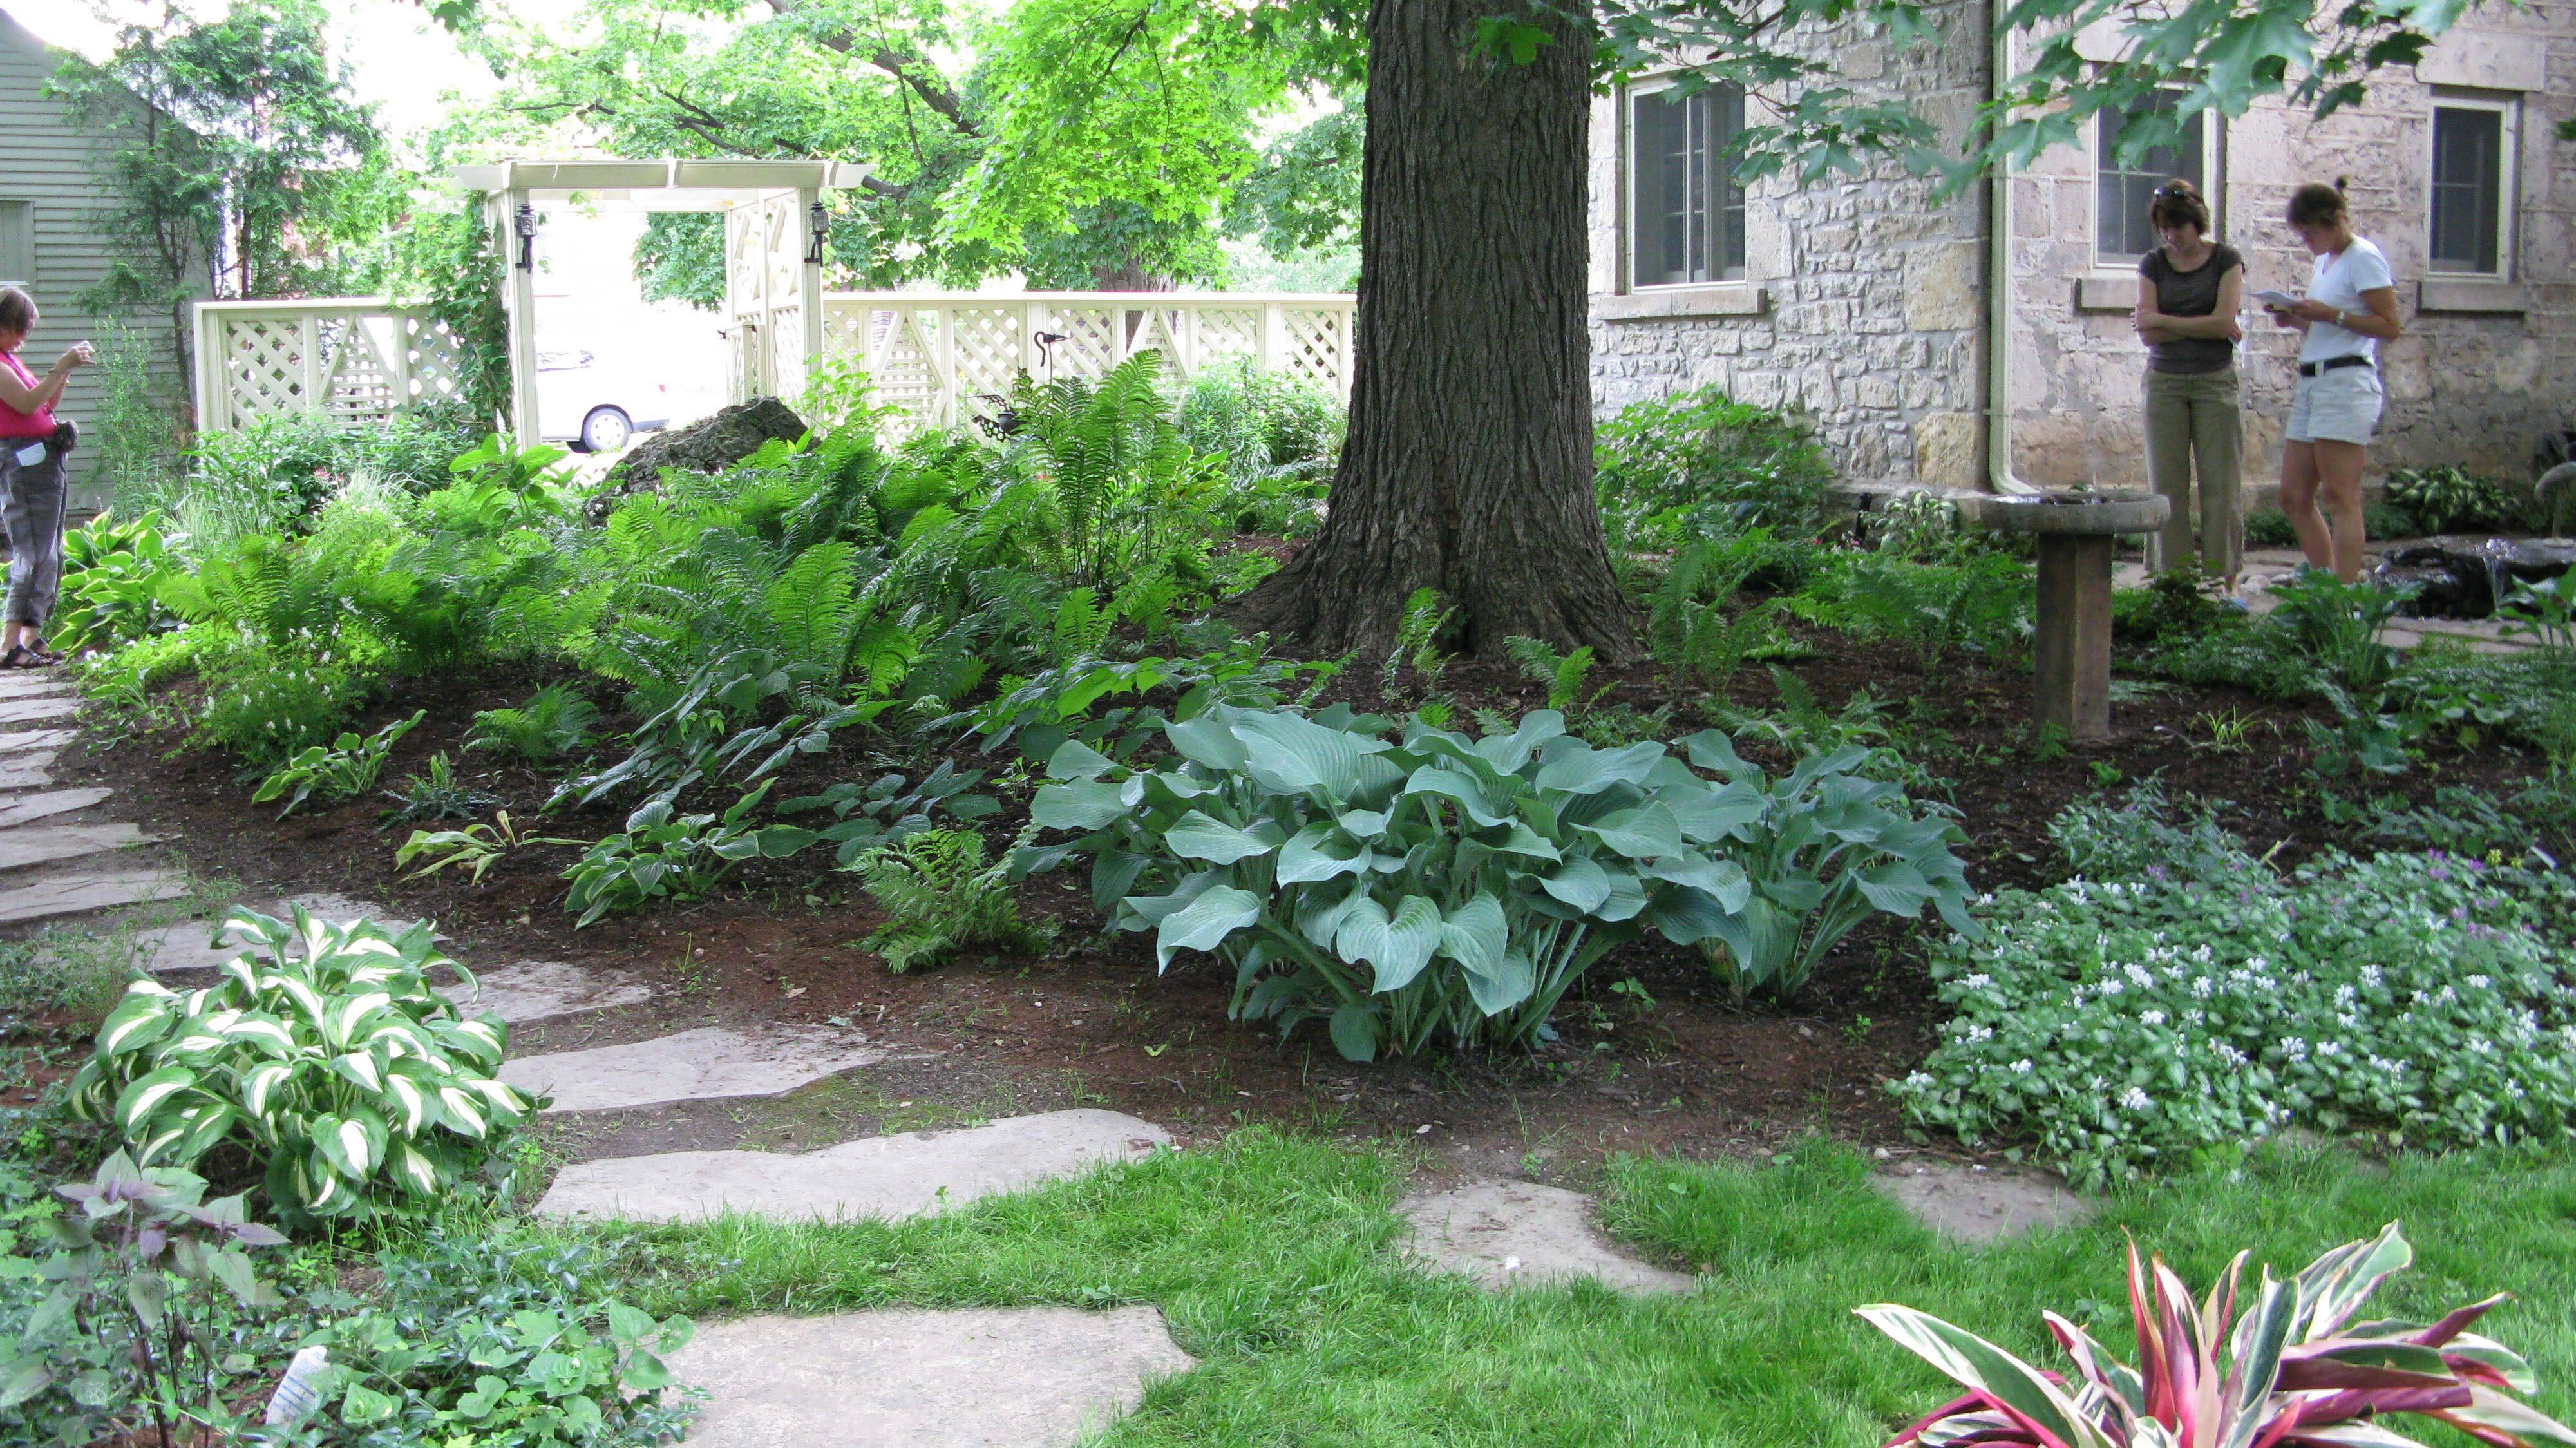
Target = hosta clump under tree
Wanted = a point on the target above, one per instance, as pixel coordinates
(1444, 890)
(322, 1052)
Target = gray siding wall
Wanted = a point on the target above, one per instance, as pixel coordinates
(53, 172)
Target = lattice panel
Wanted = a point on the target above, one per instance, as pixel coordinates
(1227, 334)
(905, 376)
(1159, 329)
(1313, 347)
(985, 349)
(1090, 345)
(787, 350)
(743, 269)
(264, 367)
(359, 385)
(431, 357)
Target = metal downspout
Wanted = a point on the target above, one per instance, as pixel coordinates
(2000, 477)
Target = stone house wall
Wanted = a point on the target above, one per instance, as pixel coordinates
(1864, 301)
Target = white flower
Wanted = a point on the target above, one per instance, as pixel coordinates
(2134, 1099)
(1979, 1033)
(1979, 981)
(2294, 1048)
(2151, 1018)
(2479, 982)
(2204, 987)
(2022, 1067)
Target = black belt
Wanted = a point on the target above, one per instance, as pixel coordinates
(2349, 359)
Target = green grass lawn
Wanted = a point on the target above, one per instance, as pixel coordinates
(1275, 1260)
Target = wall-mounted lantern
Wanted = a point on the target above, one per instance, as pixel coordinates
(526, 225)
(818, 220)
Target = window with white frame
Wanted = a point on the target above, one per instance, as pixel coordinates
(2123, 190)
(1685, 221)
(2473, 185)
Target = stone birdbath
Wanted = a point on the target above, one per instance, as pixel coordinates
(2074, 530)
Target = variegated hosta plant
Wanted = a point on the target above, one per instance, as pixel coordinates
(1436, 888)
(323, 1052)
(2293, 1371)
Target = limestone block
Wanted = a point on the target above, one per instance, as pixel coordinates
(86, 890)
(709, 1063)
(2486, 60)
(1018, 1377)
(23, 808)
(1941, 291)
(1513, 1233)
(1946, 451)
(26, 845)
(1979, 1206)
(920, 1173)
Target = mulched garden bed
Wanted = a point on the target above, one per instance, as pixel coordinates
(1697, 1072)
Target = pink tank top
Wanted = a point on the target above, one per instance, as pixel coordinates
(16, 424)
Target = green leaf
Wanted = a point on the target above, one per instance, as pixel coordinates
(1293, 755)
(26, 1379)
(1584, 770)
(1320, 851)
(1475, 934)
(1396, 946)
(1205, 922)
(1641, 833)
(138, 1101)
(1204, 741)
(1980, 1366)
(141, 1020)
(1085, 806)
(1578, 882)
(1354, 1031)
(1199, 836)
(1505, 986)
(362, 1405)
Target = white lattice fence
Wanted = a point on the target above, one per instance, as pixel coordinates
(932, 355)
(355, 360)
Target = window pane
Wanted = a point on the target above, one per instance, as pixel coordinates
(2468, 187)
(2123, 193)
(1685, 223)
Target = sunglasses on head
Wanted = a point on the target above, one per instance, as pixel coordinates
(2172, 190)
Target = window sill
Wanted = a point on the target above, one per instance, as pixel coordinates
(1729, 299)
(2107, 291)
(2472, 296)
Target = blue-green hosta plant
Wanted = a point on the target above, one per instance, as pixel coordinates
(664, 854)
(1433, 889)
(2292, 1371)
(322, 1051)
(1824, 848)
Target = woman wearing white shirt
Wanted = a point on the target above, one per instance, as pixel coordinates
(2350, 308)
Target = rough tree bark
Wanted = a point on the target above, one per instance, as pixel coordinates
(1468, 465)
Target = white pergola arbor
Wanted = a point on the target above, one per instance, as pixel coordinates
(773, 269)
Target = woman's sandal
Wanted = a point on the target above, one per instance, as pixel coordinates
(20, 656)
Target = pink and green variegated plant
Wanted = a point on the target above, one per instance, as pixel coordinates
(2292, 1372)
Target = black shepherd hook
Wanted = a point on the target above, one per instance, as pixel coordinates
(1046, 344)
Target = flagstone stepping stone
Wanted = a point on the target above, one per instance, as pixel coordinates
(38, 844)
(14, 740)
(1977, 1206)
(710, 1063)
(182, 948)
(1513, 1234)
(900, 1377)
(543, 988)
(26, 807)
(37, 708)
(17, 684)
(92, 888)
(919, 1173)
(32, 770)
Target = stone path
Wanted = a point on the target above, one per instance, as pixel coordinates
(2482, 635)
(1975, 1205)
(706, 1064)
(1023, 1377)
(921, 1173)
(51, 867)
(1514, 1234)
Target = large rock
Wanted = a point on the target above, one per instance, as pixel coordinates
(2466, 577)
(702, 447)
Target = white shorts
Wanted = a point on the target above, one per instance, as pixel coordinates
(2337, 406)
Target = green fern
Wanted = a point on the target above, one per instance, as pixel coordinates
(1564, 674)
(555, 722)
(1081, 627)
(941, 897)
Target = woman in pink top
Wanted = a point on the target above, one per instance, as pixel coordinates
(32, 451)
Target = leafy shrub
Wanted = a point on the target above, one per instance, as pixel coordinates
(2545, 613)
(322, 1053)
(2124, 1024)
(1278, 435)
(2446, 499)
(2270, 528)
(1699, 464)
(111, 584)
(554, 722)
(475, 1341)
(941, 897)
(137, 1317)
(266, 707)
(1823, 849)
(2259, 659)
(347, 769)
(2139, 839)
(2294, 1368)
(661, 854)
(1437, 890)
(2170, 609)
(1985, 605)
(891, 809)
(1921, 527)
(1045, 710)
(2342, 626)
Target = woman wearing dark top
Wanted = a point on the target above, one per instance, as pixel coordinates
(2189, 290)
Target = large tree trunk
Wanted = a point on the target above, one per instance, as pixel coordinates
(1468, 466)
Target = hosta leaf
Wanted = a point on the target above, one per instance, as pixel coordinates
(410, 1102)
(1396, 946)
(1074, 759)
(1642, 833)
(1204, 741)
(266, 1032)
(1627, 898)
(480, 1037)
(1722, 879)
(1475, 933)
(1292, 754)
(1083, 806)
(1687, 916)
(1320, 851)
(1522, 840)
(506, 1101)
(306, 1001)
(140, 1021)
(1578, 882)
(210, 1126)
(259, 1085)
(137, 1102)
(1205, 922)
(360, 1069)
(1585, 770)
(1354, 1032)
(1454, 785)
(1508, 753)
(462, 1112)
(1505, 986)
(413, 1169)
(1199, 836)
(1319, 917)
